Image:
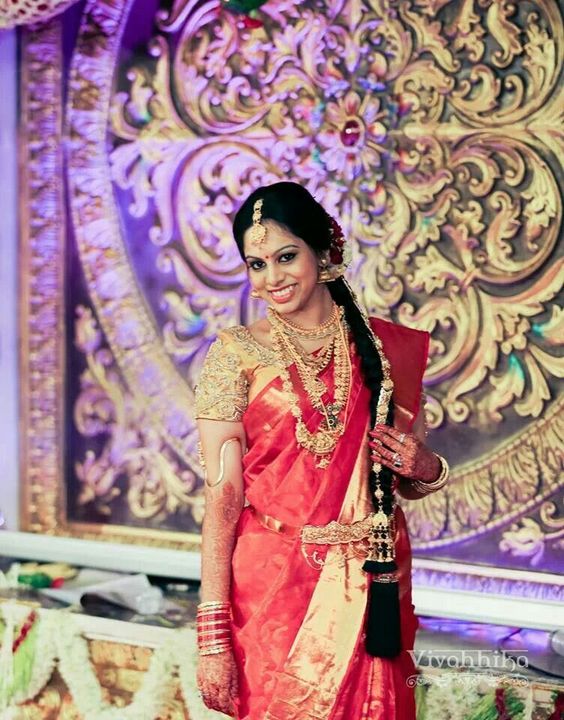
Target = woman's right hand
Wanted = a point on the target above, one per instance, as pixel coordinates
(218, 682)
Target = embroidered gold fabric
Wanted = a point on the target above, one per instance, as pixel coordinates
(222, 391)
(265, 356)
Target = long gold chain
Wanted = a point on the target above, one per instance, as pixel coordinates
(322, 441)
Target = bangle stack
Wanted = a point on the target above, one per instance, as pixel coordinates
(426, 488)
(213, 624)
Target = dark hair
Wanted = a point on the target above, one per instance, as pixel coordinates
(291, 205)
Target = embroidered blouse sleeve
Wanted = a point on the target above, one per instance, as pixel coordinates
(222, 391)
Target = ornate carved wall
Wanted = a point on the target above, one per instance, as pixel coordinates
(432, 128)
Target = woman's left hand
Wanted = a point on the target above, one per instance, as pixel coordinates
(404, 454)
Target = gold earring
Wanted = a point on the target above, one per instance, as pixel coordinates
(324, 274)
(254, 294)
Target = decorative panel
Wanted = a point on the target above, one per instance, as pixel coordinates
(433, 129)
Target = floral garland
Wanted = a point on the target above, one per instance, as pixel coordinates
(459, 696)
(63, 646)
(472, 696)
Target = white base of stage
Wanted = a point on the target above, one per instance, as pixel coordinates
(479, 606)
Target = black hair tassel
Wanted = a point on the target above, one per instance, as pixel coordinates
(383, 628)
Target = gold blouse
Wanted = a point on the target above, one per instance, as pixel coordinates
(221, 393)
(237, 367)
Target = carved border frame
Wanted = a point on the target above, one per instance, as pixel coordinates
(42, 303)
(41, 278)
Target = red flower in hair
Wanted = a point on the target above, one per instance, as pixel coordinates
(337, 242)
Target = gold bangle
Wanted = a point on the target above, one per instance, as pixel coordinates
(426, 488)
(213, 604)
(214, 642)
(214, 650)
(214, 646)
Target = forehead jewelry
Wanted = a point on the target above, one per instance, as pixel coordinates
(257, 233)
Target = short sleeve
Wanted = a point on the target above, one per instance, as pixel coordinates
(221, 393)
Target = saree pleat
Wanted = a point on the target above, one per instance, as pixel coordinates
(298, 630)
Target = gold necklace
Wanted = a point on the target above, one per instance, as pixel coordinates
(329, 327)
(318, 360)
(322, 441)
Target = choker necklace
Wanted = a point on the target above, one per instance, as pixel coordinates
(329, 327)
(320, 442)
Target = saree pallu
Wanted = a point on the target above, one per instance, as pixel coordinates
(299, 630)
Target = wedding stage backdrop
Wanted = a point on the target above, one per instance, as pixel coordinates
(432, 128)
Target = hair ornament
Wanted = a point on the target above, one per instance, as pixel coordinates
(257, 233)
(339, 253)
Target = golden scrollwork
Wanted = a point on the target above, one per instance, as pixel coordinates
(432, 128)
(518, 478)
(454, 235)
(528, 538)
(158, 485)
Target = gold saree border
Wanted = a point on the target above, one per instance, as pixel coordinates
(314, 671)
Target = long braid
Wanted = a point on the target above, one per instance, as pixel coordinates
(372, 374)
(383, 618)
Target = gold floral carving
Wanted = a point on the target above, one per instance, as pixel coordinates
(158, 484)
(509, 484)
(450, 198)
(457, 236)
(528, 538)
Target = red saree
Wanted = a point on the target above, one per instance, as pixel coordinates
(298, 631)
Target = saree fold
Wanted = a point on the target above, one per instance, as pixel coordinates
(299, 628)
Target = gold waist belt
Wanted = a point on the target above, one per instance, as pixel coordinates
(334, 533)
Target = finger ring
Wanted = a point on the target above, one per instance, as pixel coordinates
(402, 438)
(397, 460)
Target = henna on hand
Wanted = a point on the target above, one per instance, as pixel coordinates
(218, 683)
(417, 461)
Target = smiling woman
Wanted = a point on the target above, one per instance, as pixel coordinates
(284, 255)
(309, 422)
(283, 271)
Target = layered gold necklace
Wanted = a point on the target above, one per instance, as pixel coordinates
(286, 338)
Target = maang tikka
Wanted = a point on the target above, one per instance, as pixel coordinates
(257, 233)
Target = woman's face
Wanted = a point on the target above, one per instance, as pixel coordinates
(283, 270)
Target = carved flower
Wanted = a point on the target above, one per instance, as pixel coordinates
(352, 137)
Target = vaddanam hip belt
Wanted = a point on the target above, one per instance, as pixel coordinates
(356, 540)
(334, 533)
